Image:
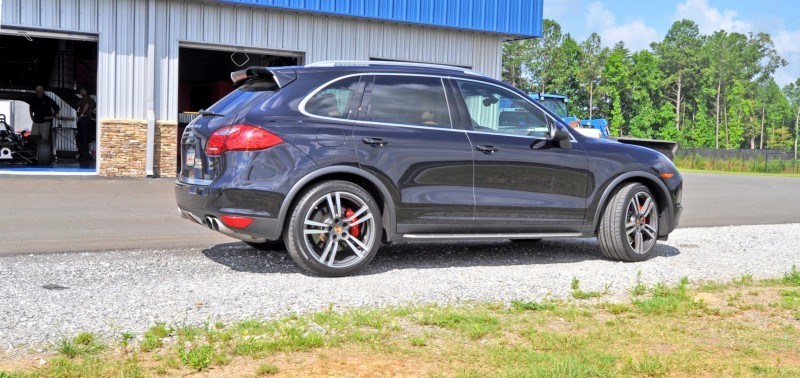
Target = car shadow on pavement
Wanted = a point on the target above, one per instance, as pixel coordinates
(430, 255)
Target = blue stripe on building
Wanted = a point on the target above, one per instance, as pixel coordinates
(513, 18)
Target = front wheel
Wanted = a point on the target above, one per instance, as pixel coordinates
(629, 227)
(334, 230)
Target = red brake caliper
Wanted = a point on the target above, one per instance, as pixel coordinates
(355, 230)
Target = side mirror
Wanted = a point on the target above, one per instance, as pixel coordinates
(562, 137)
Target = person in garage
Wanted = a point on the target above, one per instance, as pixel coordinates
(43, 110)
(86, 122)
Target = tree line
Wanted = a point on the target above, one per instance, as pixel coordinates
(708, 91)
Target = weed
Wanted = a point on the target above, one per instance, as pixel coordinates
(474, 324)
(198, 358)
(577, 293)
(82, 344)
(154, 336)
(616, 308)
(744, 280)
(532, 306)
(639, 288)
(712, 287)
(647, 365)
(267, 369)
(665, 300)
(418, 341)
(792, 277)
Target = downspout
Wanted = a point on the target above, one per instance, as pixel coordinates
(150, 87)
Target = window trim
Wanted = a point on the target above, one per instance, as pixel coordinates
(302, 106)
(351, 103)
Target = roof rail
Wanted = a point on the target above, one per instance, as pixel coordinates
(339, 63)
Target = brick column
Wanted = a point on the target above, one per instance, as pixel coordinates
(165, 151)
(123, 147)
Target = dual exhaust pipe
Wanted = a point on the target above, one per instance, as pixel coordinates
(213, 223)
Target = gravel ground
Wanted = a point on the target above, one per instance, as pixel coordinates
(44, 298)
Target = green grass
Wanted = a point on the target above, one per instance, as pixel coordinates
(577, 293)
(661, 330)
(267, 369)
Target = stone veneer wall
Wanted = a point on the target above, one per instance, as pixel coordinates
(123, 148)
(165, 159)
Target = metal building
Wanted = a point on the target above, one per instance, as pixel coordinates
(152, 55)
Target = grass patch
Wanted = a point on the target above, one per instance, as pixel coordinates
(577, 293)
(267, 369)
(665, 330)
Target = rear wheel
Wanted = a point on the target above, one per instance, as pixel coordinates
(629, 227)
(334, 230)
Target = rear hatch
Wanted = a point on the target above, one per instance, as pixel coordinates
(254, 87)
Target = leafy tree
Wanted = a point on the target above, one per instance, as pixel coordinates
(792, 93)
(591, 69)
(679, 57)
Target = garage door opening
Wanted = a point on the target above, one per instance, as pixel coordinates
(204, 76)
(61, 67)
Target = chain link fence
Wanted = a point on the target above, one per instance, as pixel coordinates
(764, 161)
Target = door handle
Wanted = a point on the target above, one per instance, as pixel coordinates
(487, 149)
(377, 142)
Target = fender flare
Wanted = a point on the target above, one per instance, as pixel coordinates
(598, 212)
(388, 218)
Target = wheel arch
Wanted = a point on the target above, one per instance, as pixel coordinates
(366, 180)
(658, 188)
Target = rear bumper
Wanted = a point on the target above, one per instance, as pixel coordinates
(205, 205)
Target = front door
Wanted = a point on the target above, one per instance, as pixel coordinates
(523, 181)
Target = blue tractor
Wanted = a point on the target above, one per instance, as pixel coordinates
(598, 127)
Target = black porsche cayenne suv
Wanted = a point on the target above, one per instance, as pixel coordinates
(335, 158)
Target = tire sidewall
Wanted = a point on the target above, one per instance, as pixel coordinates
(629, 251)
(295, 239)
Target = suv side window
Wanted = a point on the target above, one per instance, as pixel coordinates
(496, 110)
(334, 100)
(409, 100)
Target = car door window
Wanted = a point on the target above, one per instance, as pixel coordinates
(334, 100)
(496, 110)
(409, 100)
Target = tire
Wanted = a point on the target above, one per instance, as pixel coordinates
(627, 233)
(334, 229)
(269, 245)
(44, 154)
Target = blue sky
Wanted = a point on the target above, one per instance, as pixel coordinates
(638, 23)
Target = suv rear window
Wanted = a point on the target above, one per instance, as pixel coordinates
(334, 100)
(243, 96)
(409, 100)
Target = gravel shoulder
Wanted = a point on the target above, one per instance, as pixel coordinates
(44, 298)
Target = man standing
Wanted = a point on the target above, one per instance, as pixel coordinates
(42, 112)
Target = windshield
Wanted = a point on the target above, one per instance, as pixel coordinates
(556, 105)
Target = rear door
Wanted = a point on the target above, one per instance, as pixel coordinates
(523, 181)
(405, 136)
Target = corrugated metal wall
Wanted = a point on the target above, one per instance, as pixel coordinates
(122, 28)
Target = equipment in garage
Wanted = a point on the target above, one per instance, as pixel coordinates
(61, 66)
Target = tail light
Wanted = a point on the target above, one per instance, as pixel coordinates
(240, 138)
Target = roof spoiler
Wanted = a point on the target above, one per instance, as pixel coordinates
(280, 75)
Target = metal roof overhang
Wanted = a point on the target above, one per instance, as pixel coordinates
(514, 19)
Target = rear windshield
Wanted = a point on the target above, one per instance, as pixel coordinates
(243, 96)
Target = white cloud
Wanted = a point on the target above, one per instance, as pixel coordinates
(788, 48)
(599, 17)
(710, 19)
(560, 10)
(636, 34)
